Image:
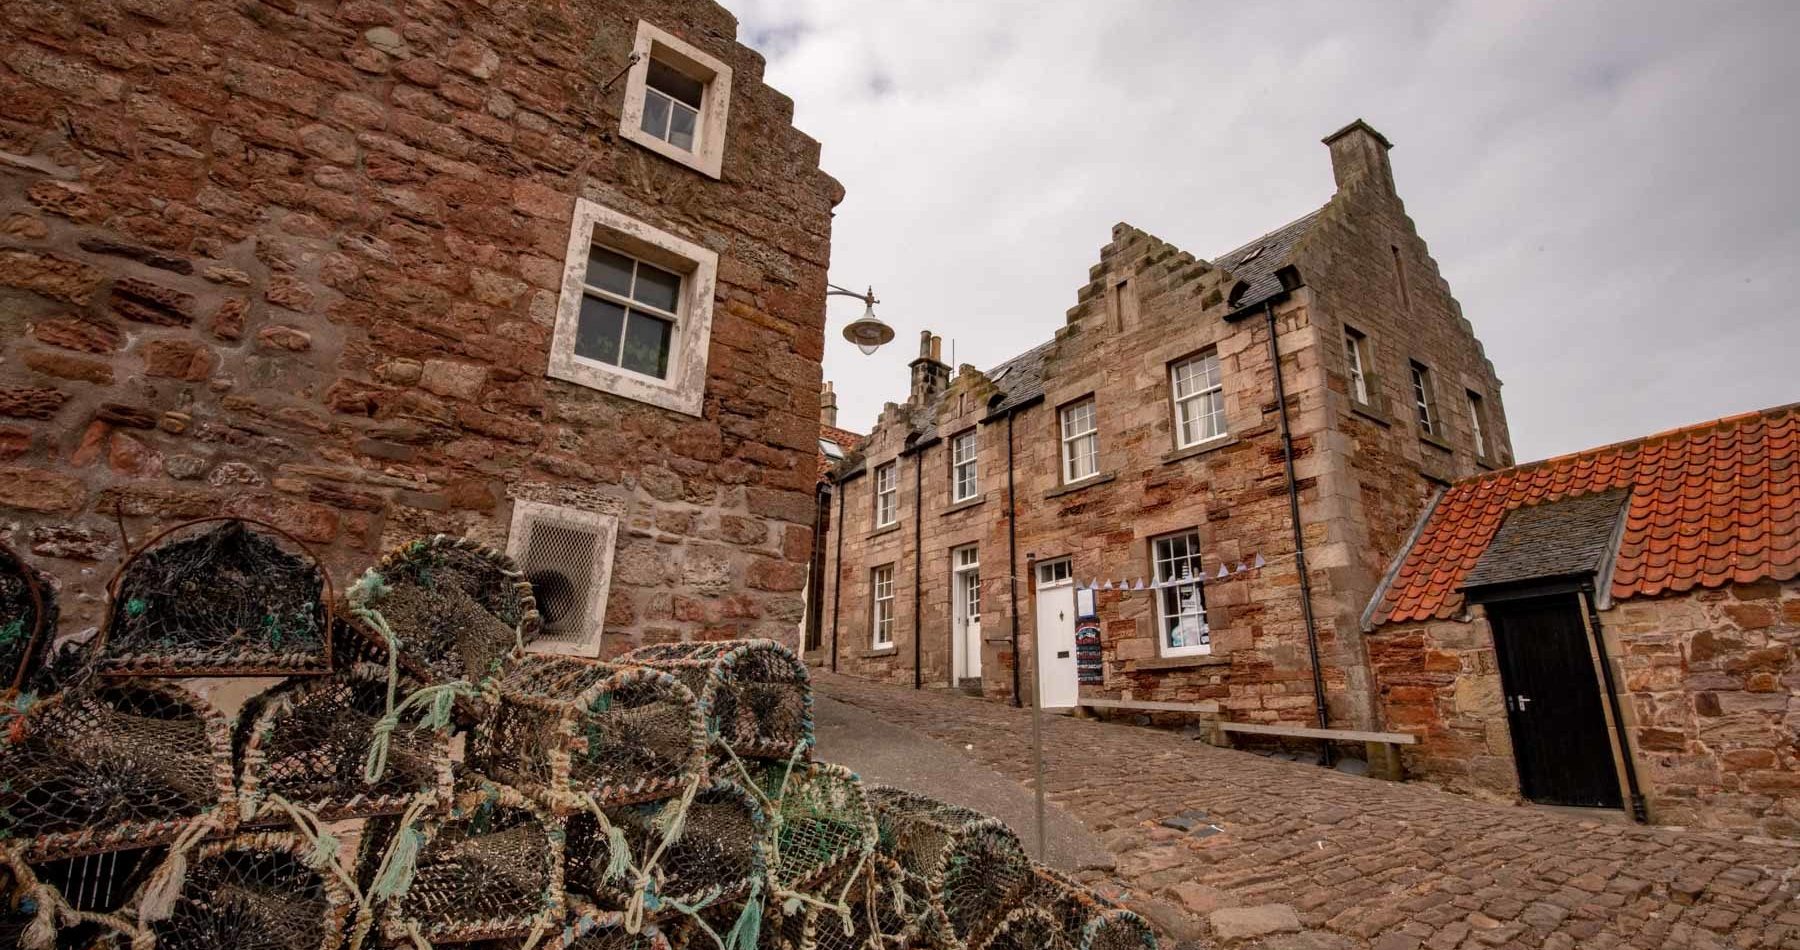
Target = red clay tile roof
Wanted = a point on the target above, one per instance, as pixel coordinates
(1711, 504)
(847, 440)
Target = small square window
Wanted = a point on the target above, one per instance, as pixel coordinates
(635, 314)
(677, 98)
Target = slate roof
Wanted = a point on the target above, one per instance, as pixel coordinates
(1566, 538)
(1254, 265)
(1710, 505)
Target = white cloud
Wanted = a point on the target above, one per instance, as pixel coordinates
(1607, 187)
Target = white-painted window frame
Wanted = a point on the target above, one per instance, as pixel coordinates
(1177, 574)
(965, 570)
(1476, 407)
(684, 388)
(1425, 414)
(605, 527)
(1197, 389)
(881, 606)
(1055, 572)
(1356, 353)
(1080, 422)
(887, 494)
(965, 472)
(708, 154)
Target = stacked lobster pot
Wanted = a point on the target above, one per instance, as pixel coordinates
(416, 777)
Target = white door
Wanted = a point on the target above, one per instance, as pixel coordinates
(1056, 635)
(966, 583)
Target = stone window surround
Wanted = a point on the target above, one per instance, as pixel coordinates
(1176, 400)
(1064, 440)
(887, 500)
(1423, 388)
(1163, 650)
(1359, 366)
(708, 156)
(879, 576)
(972, 461)
(684, 390)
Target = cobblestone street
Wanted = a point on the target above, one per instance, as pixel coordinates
(1287, 856)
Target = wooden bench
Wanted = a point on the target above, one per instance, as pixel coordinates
(1383, 747)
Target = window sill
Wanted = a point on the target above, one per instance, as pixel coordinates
(1434, 441)
(1200, 448)
(1088, 482)
(1370, 412)
(964, 505)
(885, 529)
(1184, 662)
(1489, 463)
(877, 652)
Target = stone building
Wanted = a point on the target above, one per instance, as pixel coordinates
(366, 271)
(1680, 552)
(1147, 444)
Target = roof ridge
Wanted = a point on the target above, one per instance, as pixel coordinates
(1247, 245)
(1653, 438)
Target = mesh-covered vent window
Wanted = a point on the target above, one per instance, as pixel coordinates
(566, 554)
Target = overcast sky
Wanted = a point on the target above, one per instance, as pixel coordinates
(1610, 188)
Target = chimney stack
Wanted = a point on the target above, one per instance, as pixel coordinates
(1359, 153)
(828, 406)
(930, 374)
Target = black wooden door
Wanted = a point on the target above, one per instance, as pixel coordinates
(1553, 702)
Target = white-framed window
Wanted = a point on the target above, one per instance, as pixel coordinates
(1056, 573)
(1080, 441)
(887, 494)
(566, 554)
(881, 609)
(1424, 402)
(831, 449)
(965, 476)
(1180, 595)
(1199, 395)
(677, 98)
(1476, 429)
(635, 314)
(1356, 354)
(965, 566)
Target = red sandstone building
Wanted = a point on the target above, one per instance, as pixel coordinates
(1155, 443)
(1616, 627)
(548, 274)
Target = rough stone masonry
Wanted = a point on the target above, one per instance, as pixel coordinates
(302, 262)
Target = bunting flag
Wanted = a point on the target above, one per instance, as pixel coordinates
(1223, 572)
(1108, 585)
(1139, 585)
(1259, 562)
(1241, 568)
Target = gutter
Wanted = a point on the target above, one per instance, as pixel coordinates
(1293, 493)
(1639, 812)
(918, 564)
(837, 578)
(1012, 558)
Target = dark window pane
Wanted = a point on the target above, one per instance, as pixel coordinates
(597, 331)
(609, 271)
(675, 84)
(657, 287)
(681, 127)
(647, 345)
(656, 114)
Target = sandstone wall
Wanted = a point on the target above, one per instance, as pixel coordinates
(1711, 694)
(301, 261)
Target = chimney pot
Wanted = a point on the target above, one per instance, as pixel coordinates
(937, 347)
(828, 407)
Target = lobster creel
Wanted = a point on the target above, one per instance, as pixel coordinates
(255, 891)
(717, 854)
(458, 609)
(969, 866)
(575, 735)
(27, 621)
(111, 766)
(755, 694)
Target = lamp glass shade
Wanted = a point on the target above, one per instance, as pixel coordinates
(867, 332)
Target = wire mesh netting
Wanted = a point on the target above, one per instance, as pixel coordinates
(715, 855)
(1089, 921)
(255, 892)
(111, 766)
(309, 740)
(968, 865)
(491, 869)
(826, 824)
(588, 928)
(755, 694)
(94, 886)
(1026, 928)
(570, 732)
(459, 610)
(878, 912)
(27, 620)
(218, 597)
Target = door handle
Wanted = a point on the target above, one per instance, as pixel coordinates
(1518, 703)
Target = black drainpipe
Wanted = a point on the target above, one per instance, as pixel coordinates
(837, 578)
(1638, 810)
(1012, 557)
(1293, 493)
(918, 563)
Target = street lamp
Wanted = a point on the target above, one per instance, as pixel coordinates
(867, 332)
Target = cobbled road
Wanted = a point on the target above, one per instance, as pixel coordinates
(1361, 863)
